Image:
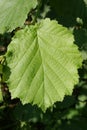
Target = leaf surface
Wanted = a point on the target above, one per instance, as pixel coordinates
(43, 62)
(13, 13)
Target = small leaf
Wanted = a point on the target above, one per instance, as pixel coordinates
(13, 13)
(43, 61)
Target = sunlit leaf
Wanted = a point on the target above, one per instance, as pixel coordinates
(43, 62)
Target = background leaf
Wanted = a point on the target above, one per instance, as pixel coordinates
(43, 61)
(0, 94)
(67, 11)
(81, 40)
(13, 13)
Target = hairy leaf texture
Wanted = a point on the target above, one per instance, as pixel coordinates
(43, 62)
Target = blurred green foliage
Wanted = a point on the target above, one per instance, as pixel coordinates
(71, 114)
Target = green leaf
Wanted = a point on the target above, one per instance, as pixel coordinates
(81, 40)
(0, 94)
(13, 13)
(67, 11)
(43, 62)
